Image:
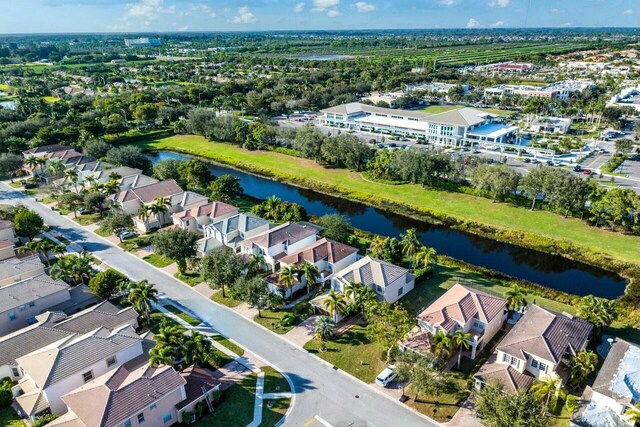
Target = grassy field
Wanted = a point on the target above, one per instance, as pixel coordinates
(182, 315)
(157, 260)
(273, 319)
(229, 344)
(88, 219)
(236, 408)
(435, 109)
(190, 279)
(51, 99)
(228, 301)
(136, 243)
(461, 206)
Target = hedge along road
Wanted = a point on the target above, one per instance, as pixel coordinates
(548, 270)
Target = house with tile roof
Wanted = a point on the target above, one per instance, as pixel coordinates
(537, 347)
(460, 308)
(615, 389)
(7, 231)
(16, 269)
(52, 326)
(279, 242)
(22, 301)
(64, 365)
(199, 217)
(230, 231)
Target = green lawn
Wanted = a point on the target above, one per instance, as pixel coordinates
(190, 279)
(157, 316)
(182, 315)
(228, 301)
(353, 353)
(9, 418)
(88, 219)
(270, 416)
(236, 408)
(136, 243)
(229, 344)
(435, 109)
(462, 206)
(444, 406)
(274, 319)
(274, 381)
(157, 260)
(102, 232)
(50, 99)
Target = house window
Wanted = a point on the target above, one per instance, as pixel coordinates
(15, 372)
(127, 423)
(400, 291)
(153, 406)
(111, 361)
(23, 307)
(32, 304)
(167, 417)
(505, 358)
(514, 362)
(478, 325)
(87, 376)
(542, 367)
(12, 316)
(140, 418)
(379, 290)
(534, 363)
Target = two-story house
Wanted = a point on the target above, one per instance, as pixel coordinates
(230, 231)
(537, 347)
(197, 218)
(460, 308)
(328, 256)
(16, 269)
(53, 326)
(615, 389)
(60, 367)
(280, 241)
(7, 232)
(22, 301)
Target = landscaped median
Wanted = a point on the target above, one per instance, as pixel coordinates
(541, 230)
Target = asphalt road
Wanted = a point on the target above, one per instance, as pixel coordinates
(320, 390)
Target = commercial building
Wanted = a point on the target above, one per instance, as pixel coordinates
(143, 42)
(551, 125)
(463, 126)
(628, 97)
(559, 90)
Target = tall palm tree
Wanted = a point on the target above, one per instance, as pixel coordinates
(352, 289)
(410, 244)
(73, 269)
(335, 304)
(516, 298)
(425, 256)
(115, 176)
(441, 344)
(141, 295)
(461, 340)
(324, 328)
(72, 175)
(162, 355)
(582, 364)
(144, 212)
(196, 349)
(112, 187)
(159, 207)
(550, 388)
(55, 168)
(633, 414)
(256, 264)
(287, 277)
(310, 273)
(168, 334)
(33, 162)
(42, 247)
(91, 182)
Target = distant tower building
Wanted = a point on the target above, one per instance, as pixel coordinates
(143, 42)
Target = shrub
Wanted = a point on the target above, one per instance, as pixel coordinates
(288, 319)
(115, 220)
(5, 393)
(45, 419)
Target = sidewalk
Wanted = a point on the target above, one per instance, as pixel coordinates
(302, 333)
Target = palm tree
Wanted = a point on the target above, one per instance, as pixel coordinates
(144, 212)
(516, 297)
(335, 304)
(91, 181)
(42, 247)
(310, 273)
(33, 162)
(460, 341)
(196, 349)
(168, 334)
(111, 187)
(425, 256)
(115, 176)
(324, 328)
(582, 364)
(352, 289)
(410, 244)
(441, 344)
(256, 264)
(55, 168)
(72, 175)
(287, 277)
(550, 388)
(162, 355)
(141, 295)
(633, 414)
(73, 269)
(159, 207)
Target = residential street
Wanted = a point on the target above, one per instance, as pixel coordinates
(320, 391)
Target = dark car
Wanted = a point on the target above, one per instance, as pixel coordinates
(635, 158)
(527, 160)
(29, 185)
(549, 163)
(577, 168)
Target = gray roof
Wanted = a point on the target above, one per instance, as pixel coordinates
(72, 355)
(546, 334)
(371, 271)
(54, 326)
(242, 222)
(290, 233)
(13, 267)
(619, 376)
(511, 378)
(32, 289)
(461, 117)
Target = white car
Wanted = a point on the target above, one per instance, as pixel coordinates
(387, 375)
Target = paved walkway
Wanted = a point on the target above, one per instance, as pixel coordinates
(257, 405)
(302, 333)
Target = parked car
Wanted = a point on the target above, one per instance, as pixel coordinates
(29, 185)
(385, 377)
(127, 235)
(577, 168)
(81, 211)
(549, 163)
(587, 172)
(526, 160)
(635, 158)
(535, 161)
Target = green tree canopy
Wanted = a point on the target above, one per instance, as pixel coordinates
(105, 283)
(178, 244)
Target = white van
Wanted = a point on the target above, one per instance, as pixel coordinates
(386, 376)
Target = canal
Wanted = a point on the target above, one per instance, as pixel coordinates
(548, 270)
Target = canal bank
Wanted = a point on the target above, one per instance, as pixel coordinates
(548, 270)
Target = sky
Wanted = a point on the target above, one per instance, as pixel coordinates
(65, 16)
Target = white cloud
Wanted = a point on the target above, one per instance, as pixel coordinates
(185, 28)
(363, 6)
(447, 2)
(568, 24)
(322, 5)
(147, 10)
(244, 16)
(473, 23)
(499, 3)
(299, 8)
(203, 8)
(498, 24)
(628, 12)
(333, 13)
(556, 11)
